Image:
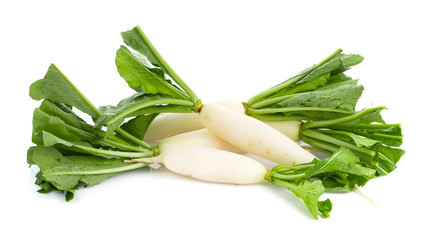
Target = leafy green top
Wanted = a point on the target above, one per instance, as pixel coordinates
(69, 150)
(158, 87)
(340, 172)
(322, 91)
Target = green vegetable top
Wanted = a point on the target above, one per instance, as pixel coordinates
(322, 91)
(159, 88)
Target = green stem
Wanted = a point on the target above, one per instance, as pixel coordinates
(324, 147)
(286, 176)
(329, 139)
(126, 146)
(271, 101)
(101, 171)
(368, 126)
(164, 109)
(274, 89)
(282, 168)
(116, 153)
(166, 67)
(134, 139)
(293, 109)
(325, 123)
(276, 117)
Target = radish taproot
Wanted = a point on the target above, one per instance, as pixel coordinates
(201, 137)
(171, 124)
(252, 135)
(209, 164)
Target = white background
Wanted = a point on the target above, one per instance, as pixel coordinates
(222, 49)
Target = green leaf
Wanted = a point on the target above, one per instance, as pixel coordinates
(334, 66)
(335, 102)
(46, 186)
(29, 155)
(338, 78)
(63, 112)
(64, 173)
(137, 40)
(138, 126)
(340, 160)
(343, 170)
(41, 121)
(56, 87)
(388, 158)
(325, 207)
(336, 184)
(143, 77)
(307, 191)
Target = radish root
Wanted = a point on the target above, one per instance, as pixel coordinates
(358, 190)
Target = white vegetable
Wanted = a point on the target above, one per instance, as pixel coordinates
(290, 128)
(209, 164)
(202, 137)
(233, 104)
(252, 135)
(170, 124)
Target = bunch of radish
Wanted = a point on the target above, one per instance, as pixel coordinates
(164, 122)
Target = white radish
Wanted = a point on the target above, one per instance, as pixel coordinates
(289, 128)
(233, 104)
(201, 137)
(209, 164)
(170, 124)
(252, 135)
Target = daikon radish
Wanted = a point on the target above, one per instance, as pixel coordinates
(201, 137)
(171, 124)
(209, 164)
(252, 135)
